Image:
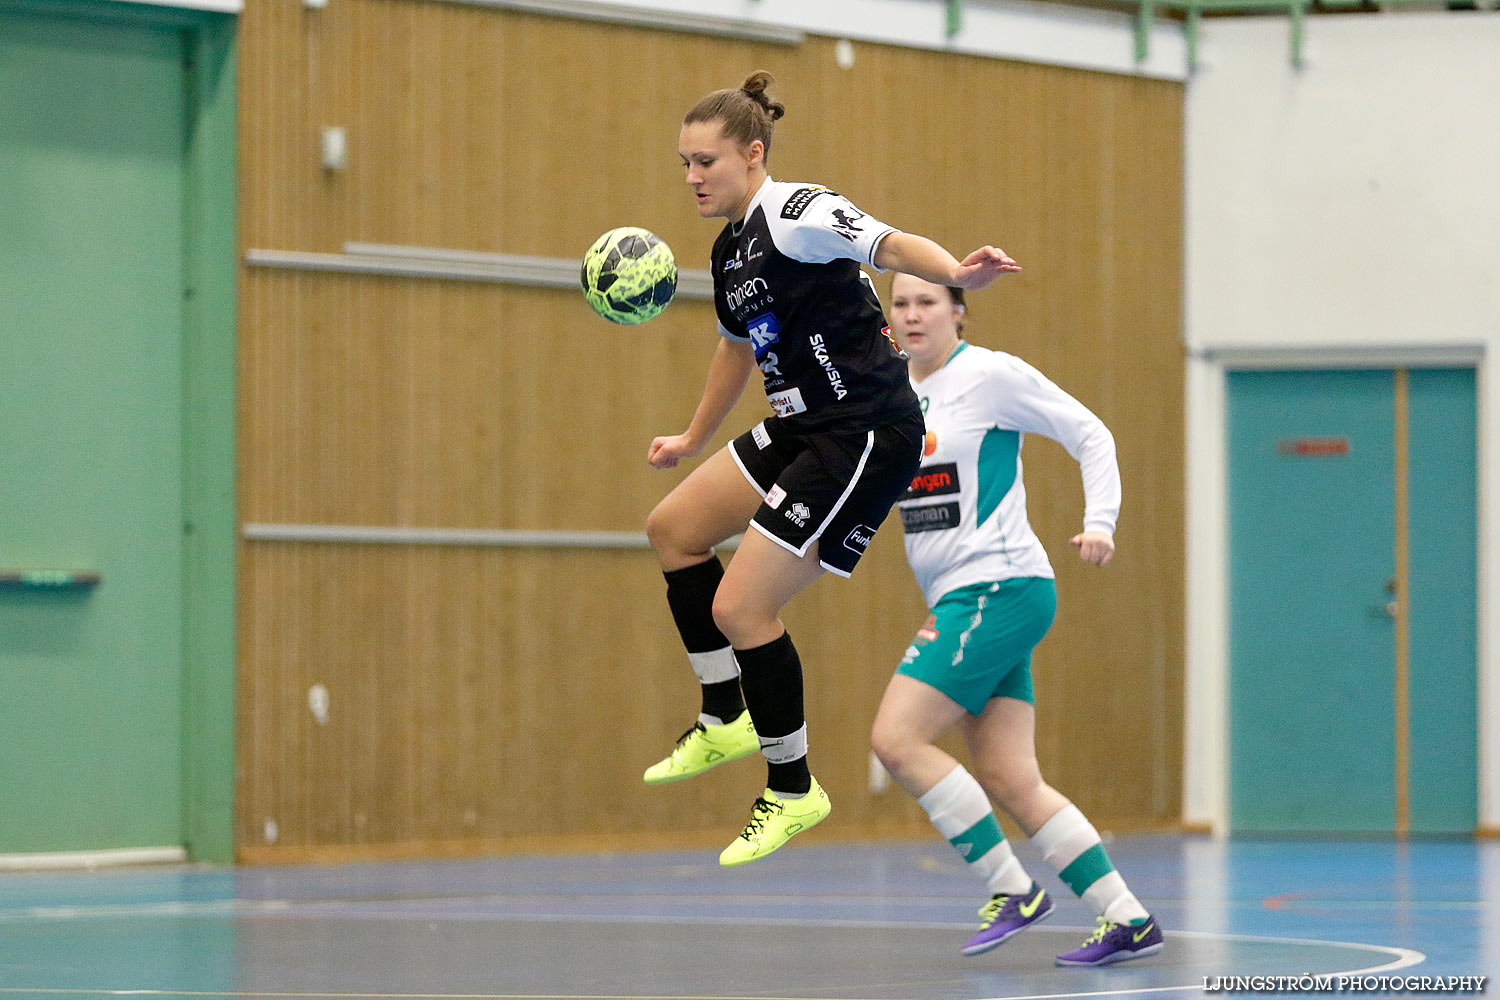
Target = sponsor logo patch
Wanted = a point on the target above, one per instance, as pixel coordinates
(764, 330)
(798, 514)
(745, 292)
(859, 538)
(933, 517)
(774, 498)
(742, 255)
(933, 480)
(800, 199)
(787, 402)
(760, 436)
(844, 223)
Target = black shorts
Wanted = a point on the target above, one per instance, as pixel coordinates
(833, 487)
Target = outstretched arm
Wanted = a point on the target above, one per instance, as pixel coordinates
(727, 374)
(913, 254)
(1024, 399)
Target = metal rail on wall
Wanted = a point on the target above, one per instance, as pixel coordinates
(1190, 12)
(455, 265)
(646, 16)
(1297, 12)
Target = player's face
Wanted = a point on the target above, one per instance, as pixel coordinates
(718, 170)
(924, 319)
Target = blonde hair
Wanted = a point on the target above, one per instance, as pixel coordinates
(744, 113)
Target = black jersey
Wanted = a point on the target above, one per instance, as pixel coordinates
(789, 281)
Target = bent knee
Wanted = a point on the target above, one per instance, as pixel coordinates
(659, 527)
(893, 745)
(675, 538)
(732, 614)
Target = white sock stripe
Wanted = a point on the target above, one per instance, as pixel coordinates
(784, 749)
(1124, 908)
(1067, 852)
(955, 803)
(993, 860)
(1105, 893)
(716, 666)
(1008, 877)
(945, 789)
(1064, 825)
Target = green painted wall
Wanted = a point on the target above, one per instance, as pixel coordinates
(116, 425)
(208, 447)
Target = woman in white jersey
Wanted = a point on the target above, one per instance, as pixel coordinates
(813, 481)
(990, 586)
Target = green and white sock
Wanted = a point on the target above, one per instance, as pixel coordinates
(1071, 845)
(962, 813)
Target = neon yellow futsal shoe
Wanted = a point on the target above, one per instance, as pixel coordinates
(774, 821)
(702, 747)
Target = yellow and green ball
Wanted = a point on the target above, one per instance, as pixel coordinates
(629, 275)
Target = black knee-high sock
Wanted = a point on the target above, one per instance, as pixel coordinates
(690, 594)
(771, 676)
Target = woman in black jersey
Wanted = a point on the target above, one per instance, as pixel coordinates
(813, 481)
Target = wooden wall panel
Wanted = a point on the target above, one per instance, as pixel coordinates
(481, 697)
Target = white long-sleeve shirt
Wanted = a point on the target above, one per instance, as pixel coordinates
(965, 513)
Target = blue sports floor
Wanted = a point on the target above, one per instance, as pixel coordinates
(869, 921)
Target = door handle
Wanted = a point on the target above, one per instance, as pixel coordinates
(1387, 610)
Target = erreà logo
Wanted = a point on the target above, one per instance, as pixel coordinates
(859, 538)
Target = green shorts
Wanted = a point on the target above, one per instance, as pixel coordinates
(977, 643)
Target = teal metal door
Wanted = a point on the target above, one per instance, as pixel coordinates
(1352, 598)
(1443, 601)
(91, 321)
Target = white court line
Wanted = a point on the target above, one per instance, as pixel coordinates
(354, 909)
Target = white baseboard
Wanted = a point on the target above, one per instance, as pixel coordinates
(60, 860)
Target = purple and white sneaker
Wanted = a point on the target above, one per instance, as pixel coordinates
(1116, 943)
(1003, 916)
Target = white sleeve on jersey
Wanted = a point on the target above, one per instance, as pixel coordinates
(1022, 398)
(825, 227)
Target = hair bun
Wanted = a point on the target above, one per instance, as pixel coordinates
(755, 86)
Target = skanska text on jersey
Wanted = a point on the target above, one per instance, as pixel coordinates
(820, 351)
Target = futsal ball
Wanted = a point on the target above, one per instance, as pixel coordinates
(629, 275)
